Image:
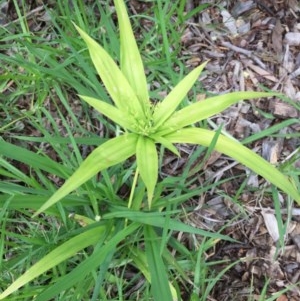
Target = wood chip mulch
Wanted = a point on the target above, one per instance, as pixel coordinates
(251, 45)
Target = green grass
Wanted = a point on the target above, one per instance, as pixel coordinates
(47, 131)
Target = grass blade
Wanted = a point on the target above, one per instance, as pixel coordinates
(87, 266)
(159, 280)
(107, 154)
(61, 253)
(238, 152)
(138, 256)
(32, 159)
(270, 130)
(158, 219)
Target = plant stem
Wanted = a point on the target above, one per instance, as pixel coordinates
(133, 187)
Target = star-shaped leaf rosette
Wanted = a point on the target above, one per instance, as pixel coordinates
(145, 125)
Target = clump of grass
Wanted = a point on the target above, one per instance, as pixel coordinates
(90, 239)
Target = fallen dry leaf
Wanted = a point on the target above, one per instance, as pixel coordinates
(271, 224)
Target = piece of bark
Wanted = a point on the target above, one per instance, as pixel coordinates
(241, 7)
(264, 73)
(292, 38)
(229, 22)
(270, 151)
(277, 37)
(283, 110)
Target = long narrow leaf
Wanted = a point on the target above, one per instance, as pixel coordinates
(158, 219)
(131, 61)
(114, 80)
(107, 154)
(159, 280)
(35, 201)
(58, 255)
(86, 266)
(138, 256)
(33, 159)
(238, 152)
(111, 112)
(204, 109)
(147, 162)
(167, 107)
(166, 143)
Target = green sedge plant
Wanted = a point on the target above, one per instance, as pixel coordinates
(144, 126)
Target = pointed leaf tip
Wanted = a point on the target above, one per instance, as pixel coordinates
(167, 107)
(131, 61)
(113, 78)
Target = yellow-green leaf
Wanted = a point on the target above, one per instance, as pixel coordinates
(107, 154)
(238, 152)
(167, 107)
(138, 256)
(113, 79)
(204, 109)
(131, 61)
(166, 143)
(58, 255)
(111, 112)
(147, 162)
